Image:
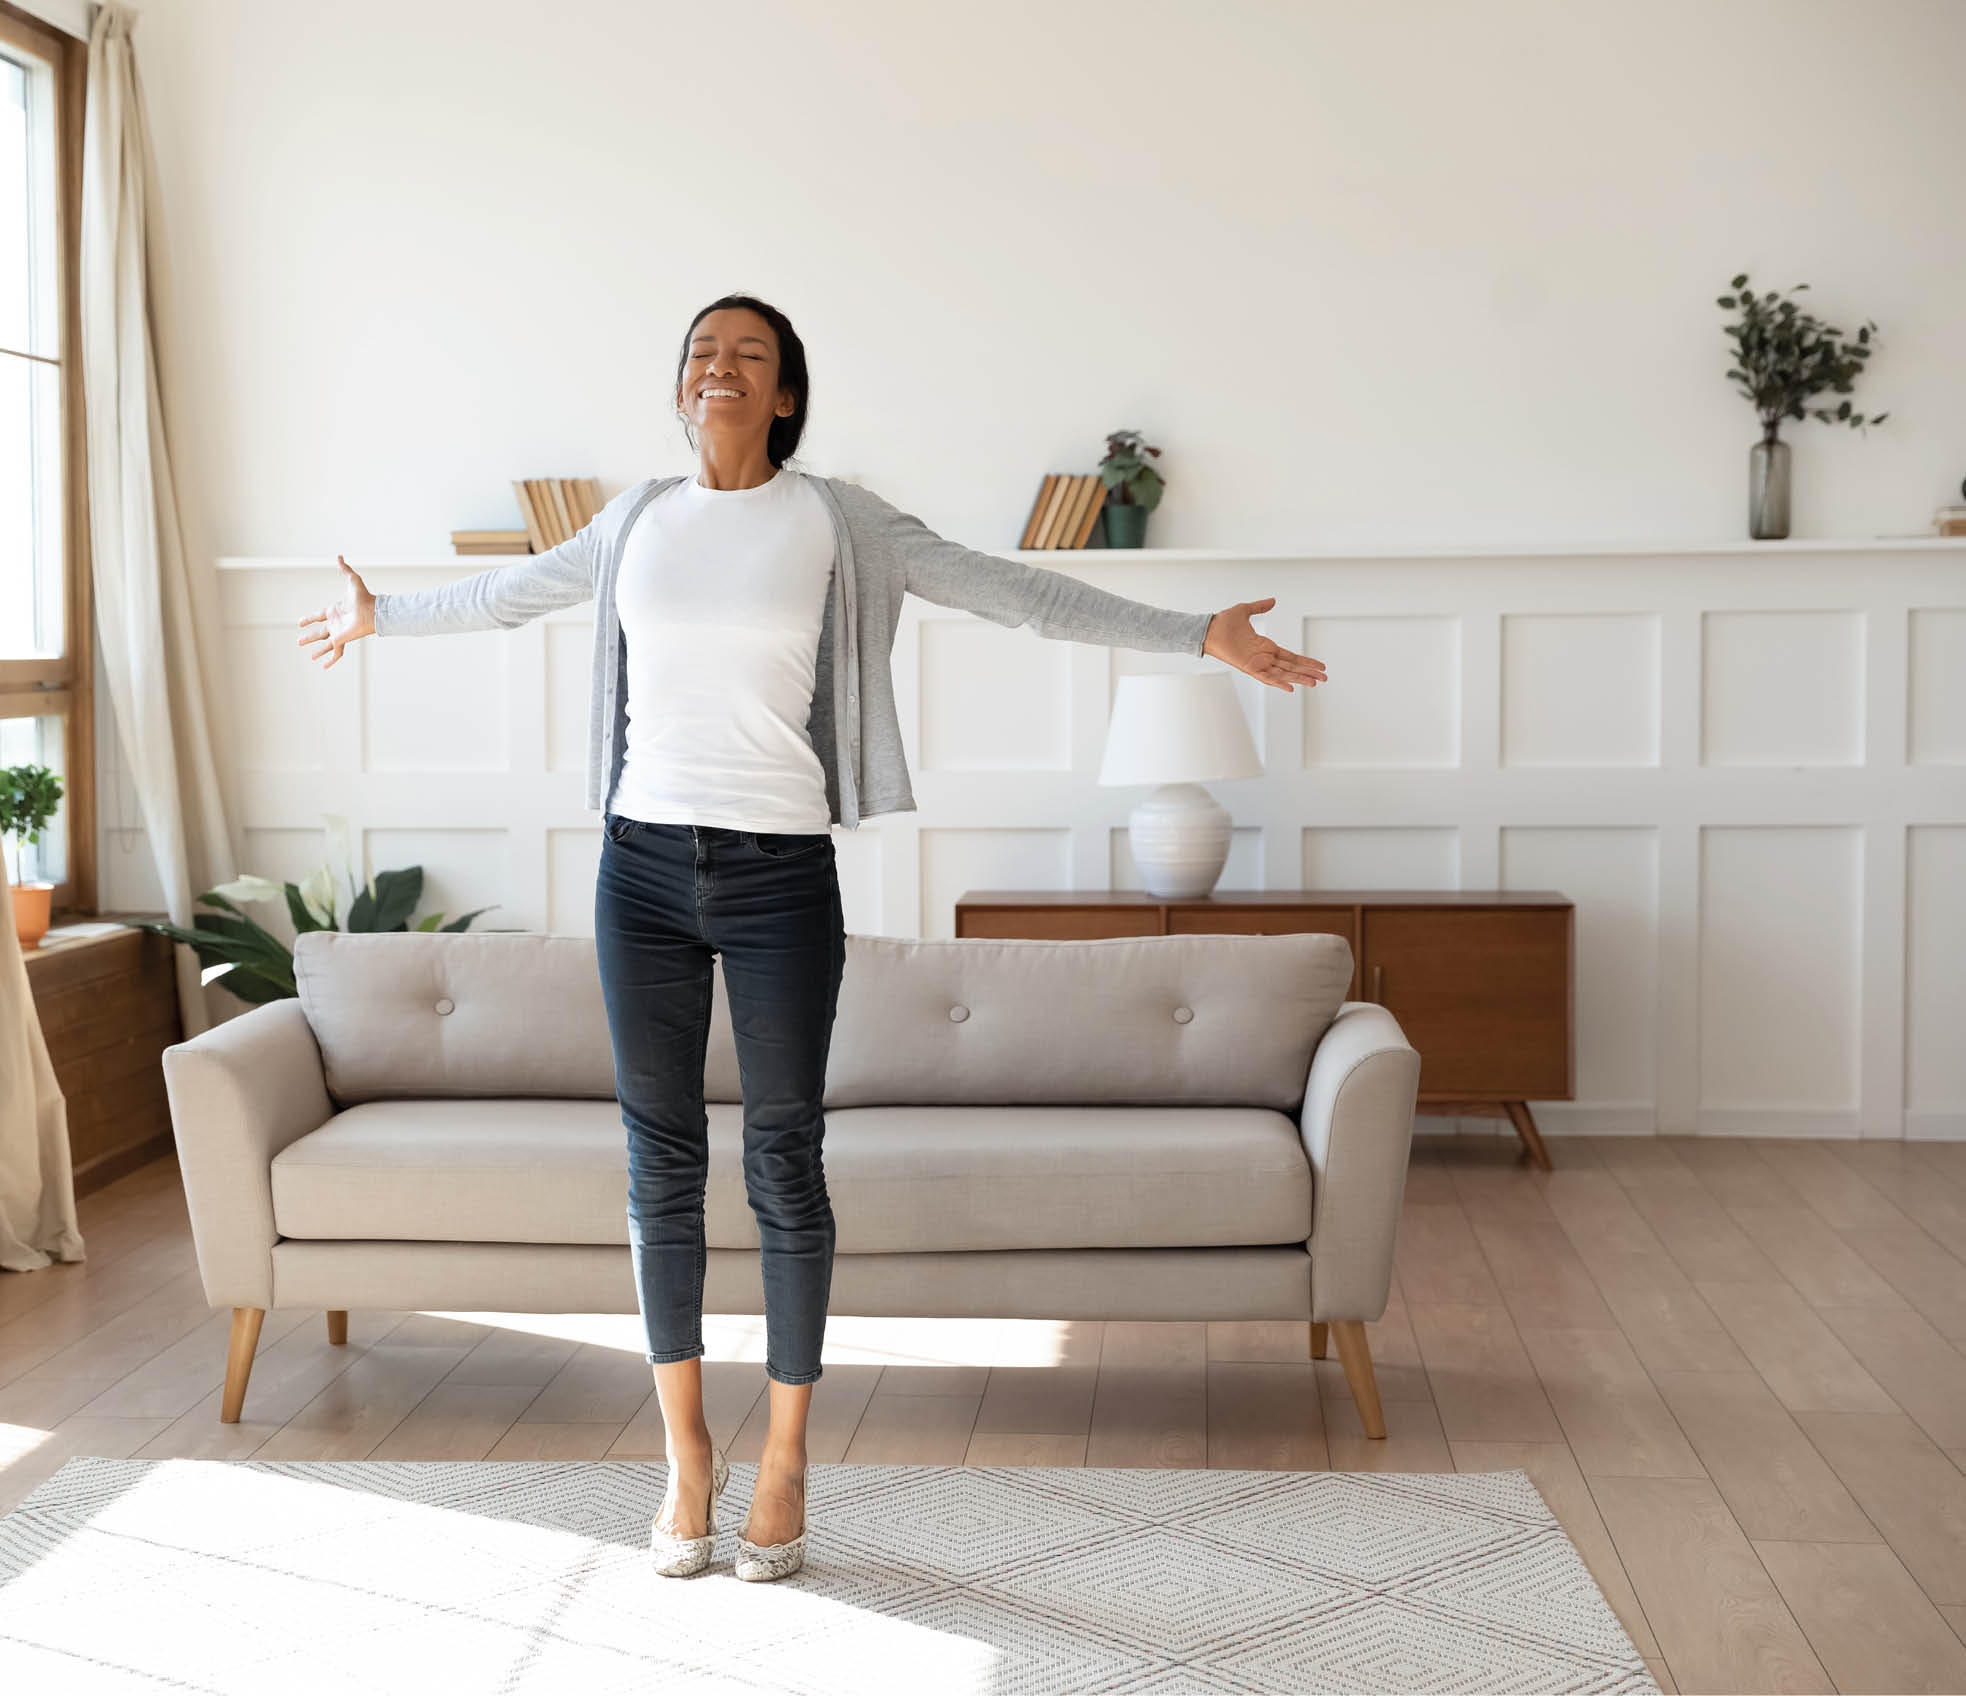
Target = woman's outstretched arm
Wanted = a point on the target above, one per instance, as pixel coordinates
(1011, 593)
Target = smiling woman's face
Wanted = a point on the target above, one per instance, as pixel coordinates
(730, 381)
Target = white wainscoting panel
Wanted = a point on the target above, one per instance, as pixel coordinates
(1355, 856)
(1784, 688)
(1781, 983)
(1742, 762)
(1612, 873)
(1580, 689)
(1400, 704)
(1937, 708)
(991, 699)
(1935, 983)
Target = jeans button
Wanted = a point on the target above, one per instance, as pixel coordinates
(1183, 1014)
(958, 1013)
(445, 1004)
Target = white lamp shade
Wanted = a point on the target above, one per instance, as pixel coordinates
(1177, 727)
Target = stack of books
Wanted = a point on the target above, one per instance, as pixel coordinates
(555, 508)
(491, 542)
(1950, 521)
(1066, 509)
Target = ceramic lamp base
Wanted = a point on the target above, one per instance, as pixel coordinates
(1180, 841)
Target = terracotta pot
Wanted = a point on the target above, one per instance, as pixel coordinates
(33, 903)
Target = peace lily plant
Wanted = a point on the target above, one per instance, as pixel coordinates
(253, 963)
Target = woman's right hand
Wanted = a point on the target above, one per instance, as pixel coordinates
(341, 622)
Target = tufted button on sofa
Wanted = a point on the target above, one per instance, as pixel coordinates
(431, 1123)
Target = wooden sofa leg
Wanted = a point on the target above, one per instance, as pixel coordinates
(246, 1322)
(1320, 1334)
(337, 1324)
(1352, 1350)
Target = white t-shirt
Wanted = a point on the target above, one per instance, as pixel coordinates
(721, 595)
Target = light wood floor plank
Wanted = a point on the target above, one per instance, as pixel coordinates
(455, 1422)
(539, 1439)
(1920, 1371)
(1413, 1442)
(1439, 1259)
(839, 1400)
(596, 1385)
(1482, 1380)
(28, 1458)
(1613, 1417)
(1023, 1448)
(1825, 1269)
(1718, 1617)
(1868, 1621)
(361, 1406)
(1149, 1416)
(1553, 1470)
(1798, 1356)
(1541, 1279)
(1908, 1488)
(1699, 1234)
(913, 1431)
(1926, 1274)
(1774, 1482)
(1265, 1414)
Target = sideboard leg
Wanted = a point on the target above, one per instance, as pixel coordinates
(1357, 1357)
(246, 1322)
(1319, 1334)
(1525, 1127)
(337, 1324)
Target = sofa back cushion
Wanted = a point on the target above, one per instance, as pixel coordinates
(1219, 1020)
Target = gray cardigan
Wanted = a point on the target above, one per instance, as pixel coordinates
(882, 553)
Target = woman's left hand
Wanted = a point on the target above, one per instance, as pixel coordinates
(1234, 641)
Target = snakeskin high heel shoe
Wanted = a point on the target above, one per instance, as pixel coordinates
(678, 1557)
(759, 1562)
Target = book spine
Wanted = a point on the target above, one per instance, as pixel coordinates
(535, 532)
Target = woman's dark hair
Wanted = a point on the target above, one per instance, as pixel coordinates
(783, 439)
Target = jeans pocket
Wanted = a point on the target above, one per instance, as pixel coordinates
(789, 845)
(616, 826)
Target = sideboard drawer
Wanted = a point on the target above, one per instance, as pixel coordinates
(1482, 993)
(1058, 923)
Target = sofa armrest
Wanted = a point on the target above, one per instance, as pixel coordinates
(1357, 1126)
(239, 1093)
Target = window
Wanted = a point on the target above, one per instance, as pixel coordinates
(46, 715)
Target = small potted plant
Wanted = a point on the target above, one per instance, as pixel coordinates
(1133, 488)
(28, 798)
(1783, 358)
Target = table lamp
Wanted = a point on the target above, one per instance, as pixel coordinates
(1178, 730)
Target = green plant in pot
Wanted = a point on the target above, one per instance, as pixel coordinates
(1133, 488)
(253, 963)
(1784, 357)
(28, 798)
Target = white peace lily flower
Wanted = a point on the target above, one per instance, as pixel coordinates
(337, 836)
(317, 895)
(250, 888)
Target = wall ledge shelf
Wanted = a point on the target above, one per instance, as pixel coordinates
(1790, 549)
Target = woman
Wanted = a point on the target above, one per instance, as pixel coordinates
(741, 706)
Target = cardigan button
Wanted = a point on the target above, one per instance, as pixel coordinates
(958, 1013)
(1183, 1014)
(445, 1004)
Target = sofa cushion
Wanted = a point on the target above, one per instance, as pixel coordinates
(1216, 1020)
(901, 1179)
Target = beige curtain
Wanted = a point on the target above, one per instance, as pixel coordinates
(37, 1187)
(152, 667)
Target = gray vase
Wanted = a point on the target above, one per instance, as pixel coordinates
(1768, 491)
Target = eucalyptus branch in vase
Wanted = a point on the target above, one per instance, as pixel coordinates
(1785, 357)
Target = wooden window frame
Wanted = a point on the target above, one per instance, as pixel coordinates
(64, 685)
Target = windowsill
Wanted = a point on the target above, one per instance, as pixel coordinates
(68, 935)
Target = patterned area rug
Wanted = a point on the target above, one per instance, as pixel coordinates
(437, 1576)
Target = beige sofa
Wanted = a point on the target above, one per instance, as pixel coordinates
(1160, 1128)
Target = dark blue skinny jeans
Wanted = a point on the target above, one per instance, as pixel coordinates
(668, 900)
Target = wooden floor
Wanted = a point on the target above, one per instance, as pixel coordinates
(1734, 1369)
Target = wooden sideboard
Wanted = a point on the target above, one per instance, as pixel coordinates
(106, 995)
(1482, 982)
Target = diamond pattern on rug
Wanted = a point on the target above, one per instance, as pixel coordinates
(368, 1577)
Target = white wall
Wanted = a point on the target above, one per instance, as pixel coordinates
(1372, 275)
